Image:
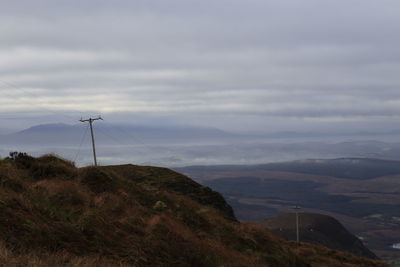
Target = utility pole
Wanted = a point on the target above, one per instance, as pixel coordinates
(296, 208)
(90, 120)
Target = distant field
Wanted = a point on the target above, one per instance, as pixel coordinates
(364, 194)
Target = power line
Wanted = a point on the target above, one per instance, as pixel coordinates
(130, 136)
(110, 136)
(81, 143)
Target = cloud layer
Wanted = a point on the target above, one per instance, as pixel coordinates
(217, 62)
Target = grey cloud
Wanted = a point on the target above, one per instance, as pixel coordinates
(259, 59)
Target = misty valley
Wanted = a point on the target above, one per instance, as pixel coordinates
(183, 145)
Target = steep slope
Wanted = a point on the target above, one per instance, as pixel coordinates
(53, 214)
(318, 229)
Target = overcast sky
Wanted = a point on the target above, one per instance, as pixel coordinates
(237, 65)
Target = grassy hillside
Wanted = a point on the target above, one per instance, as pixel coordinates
(53, 214)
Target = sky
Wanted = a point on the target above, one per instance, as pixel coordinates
(248, 65)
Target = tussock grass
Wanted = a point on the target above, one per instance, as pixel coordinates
(10, 259)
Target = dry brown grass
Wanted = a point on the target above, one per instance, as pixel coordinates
(64, 221)
(11, 259)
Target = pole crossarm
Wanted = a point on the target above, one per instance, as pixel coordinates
(91, 120)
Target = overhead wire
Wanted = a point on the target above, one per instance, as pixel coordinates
(81, 143)
(103, 132)
(128, 134)
(106, 132)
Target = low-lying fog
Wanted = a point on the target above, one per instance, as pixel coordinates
(182, 146)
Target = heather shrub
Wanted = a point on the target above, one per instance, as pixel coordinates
(45, 167)
(21, 160)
